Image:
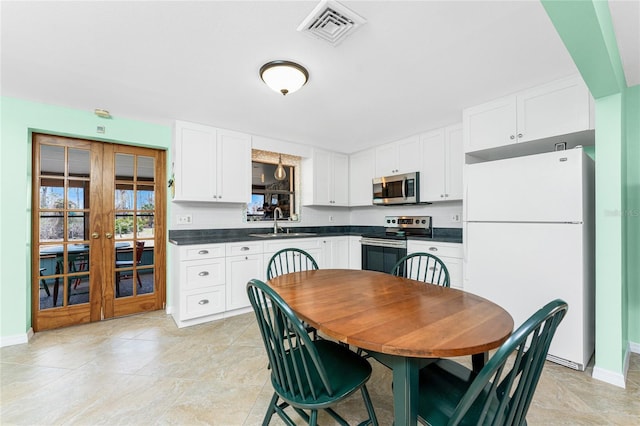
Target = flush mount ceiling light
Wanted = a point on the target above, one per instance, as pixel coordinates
(284, 76)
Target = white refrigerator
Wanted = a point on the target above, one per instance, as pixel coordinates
(529, 239)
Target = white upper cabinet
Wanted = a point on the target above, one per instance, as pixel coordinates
(326, 179)
(441, 176)
(210, 164)
(557, 108)
(403, 156)
(362, 170)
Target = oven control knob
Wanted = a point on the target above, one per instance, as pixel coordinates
(424, 221)
(393, 221)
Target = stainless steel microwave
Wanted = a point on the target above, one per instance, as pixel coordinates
(397, 189)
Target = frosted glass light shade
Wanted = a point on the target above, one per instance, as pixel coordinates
(280, 173)
(284, 76)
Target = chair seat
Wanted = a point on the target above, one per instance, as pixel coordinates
(124, 263)
(443, 383)
(347, 373)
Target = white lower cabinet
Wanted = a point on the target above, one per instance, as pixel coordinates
(240, 269)
(198, 283)
(450, 253)
(355, 252)
(336, 252)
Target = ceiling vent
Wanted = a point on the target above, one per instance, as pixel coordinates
(331, 21)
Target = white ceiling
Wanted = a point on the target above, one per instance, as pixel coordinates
(412, 67)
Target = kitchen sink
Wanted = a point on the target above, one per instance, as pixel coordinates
(283, 234)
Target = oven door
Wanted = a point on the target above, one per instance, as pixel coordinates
(379, 254)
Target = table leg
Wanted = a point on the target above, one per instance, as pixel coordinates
(479, 360)
(405, 387)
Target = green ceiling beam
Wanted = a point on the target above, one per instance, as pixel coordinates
(586, 29)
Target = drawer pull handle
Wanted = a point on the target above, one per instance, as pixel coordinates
(203, 252)
(203, 302)
(433, 248)
(204, 273)
(244, 249)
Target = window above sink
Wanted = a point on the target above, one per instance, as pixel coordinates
(267, 192)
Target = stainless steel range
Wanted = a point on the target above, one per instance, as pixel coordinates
(380, 252)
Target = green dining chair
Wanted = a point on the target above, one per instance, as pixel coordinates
(308, 375)
(422, 267)
(290, 260)
(501, 392)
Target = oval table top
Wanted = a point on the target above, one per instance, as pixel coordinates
(394, 315)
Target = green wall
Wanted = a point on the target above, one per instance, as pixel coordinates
(632, 214)
(18, 119)
(587, 31)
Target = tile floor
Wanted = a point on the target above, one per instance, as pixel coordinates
(142, 370)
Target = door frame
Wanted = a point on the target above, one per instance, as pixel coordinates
(100, 279)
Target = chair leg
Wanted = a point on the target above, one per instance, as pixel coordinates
(46, 287)
(139, 282)
(373, 420)
(271, 410)
(313, 420)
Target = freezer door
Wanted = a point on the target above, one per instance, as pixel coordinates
(537, 188)
(521, 267)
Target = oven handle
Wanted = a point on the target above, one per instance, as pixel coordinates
(380, 242)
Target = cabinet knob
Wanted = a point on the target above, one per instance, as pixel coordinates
(512, 137)
(204, 273)
(203, 252)
(203, 302)
(433, 248)
(244, 248)
(441, 195)
(519, 135)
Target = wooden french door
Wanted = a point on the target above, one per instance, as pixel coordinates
(98, 231)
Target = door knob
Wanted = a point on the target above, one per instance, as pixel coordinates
(109, 235)
(95, 235)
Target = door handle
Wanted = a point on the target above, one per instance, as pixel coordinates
(95, 235)
(404, 185)
(109, 235)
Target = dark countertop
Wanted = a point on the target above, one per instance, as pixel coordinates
(232, 235)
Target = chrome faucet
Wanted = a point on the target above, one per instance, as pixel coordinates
(275, 219)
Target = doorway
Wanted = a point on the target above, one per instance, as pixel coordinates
(98, 231)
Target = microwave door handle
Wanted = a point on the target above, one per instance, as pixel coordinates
(404, 185)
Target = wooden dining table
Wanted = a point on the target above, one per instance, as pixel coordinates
(401, 322)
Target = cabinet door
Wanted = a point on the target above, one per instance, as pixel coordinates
(340, 180)
(409, 155)
(336, 252)
(554, 109)
(362, 168)
(233, 167)
(194, 153)
(322, 178)
(386, 160)
(432, 176)
(454, 160)
(355, 252)
(241, 269)
(490, 125)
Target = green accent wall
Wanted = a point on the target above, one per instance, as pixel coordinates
(18, 119)
(586, 29)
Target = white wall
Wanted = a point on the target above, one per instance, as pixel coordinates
(442, 214)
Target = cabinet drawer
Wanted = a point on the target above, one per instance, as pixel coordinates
(436, 249)
(249, 247)
(202, 251)
(202, 273)
(202, 303)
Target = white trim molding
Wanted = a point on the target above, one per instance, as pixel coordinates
(634, 347)
(616, 379)
(16, 339)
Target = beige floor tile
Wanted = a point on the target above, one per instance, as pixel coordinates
(143, 370)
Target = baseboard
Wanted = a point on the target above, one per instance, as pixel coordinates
(17, 339)
(616, 379)
(634, 347)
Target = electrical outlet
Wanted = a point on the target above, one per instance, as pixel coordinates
(185, 219)
(455, 218)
